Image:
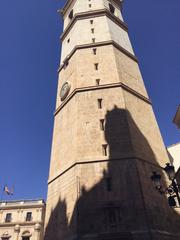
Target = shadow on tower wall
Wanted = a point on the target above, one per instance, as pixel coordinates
(123, 204)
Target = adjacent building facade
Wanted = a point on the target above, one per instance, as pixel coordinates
(106, 141)
(174, 155)
(22, 220)
(174, 151)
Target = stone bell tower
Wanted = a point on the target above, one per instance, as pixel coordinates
(106, 141)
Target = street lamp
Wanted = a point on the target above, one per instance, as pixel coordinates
(169, 169)
(172, 190)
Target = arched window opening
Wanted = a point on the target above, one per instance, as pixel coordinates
(5, 236)
(26, 235)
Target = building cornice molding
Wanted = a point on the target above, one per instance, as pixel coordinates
(69, 2)
(93, 14)
(103, 160)
(10, 224)
(104, 86)
(98, 44)
(8, 207)
(66, 6)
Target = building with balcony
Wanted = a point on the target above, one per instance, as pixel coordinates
(22, 220)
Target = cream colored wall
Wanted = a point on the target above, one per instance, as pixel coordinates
(83, 6)
(174, 152)
(119, 35)
(104, 30)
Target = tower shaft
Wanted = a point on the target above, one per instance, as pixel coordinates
(106, 141)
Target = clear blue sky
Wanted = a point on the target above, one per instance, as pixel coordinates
(29, 58)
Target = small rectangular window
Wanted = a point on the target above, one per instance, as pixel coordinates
(91, 21)
(93, 40)
(97, 82)
(28, 216)
(96, 66)
(8, 217)
(92, 30)
(100, 103)
(89, 5)
(102, 124)
(104, 149)
(94, 51)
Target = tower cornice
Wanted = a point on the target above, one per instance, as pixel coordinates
(92, 14)
(98, 44)
(69, 2)
(105, 86)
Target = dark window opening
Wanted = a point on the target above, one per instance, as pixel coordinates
(71, 15)
(8, 217)
(90, 5)
(102, 124)
(25, 238)
(93, 40)
(100, 103)
(104, 146)
(97, 82)
(94, 51)
(111, 8)
(28, 216)
(96, 65)
(91, 21)
(92, 30)
(68, 40)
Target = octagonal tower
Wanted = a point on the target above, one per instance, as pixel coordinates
(106, 140)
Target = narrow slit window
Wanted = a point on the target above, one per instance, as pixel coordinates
(93, 40)
(102, 124)
(111, 8)
(89, 5)
(104, 149)
(94, 51)
(92, 30)
(91, 21)
(99, 103)
(71, 14)
(109, 184)
(96, 66)
(68, 40)
(97, 82)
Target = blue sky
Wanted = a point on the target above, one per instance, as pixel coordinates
(29, 58)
